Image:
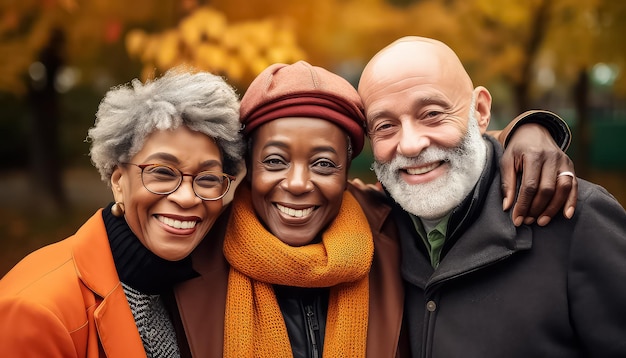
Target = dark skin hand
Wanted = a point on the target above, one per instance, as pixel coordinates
(533, 152)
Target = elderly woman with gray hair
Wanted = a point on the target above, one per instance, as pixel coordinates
(169, 150)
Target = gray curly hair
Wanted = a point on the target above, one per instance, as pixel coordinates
(129, 113)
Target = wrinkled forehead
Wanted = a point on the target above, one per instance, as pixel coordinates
(416, 61)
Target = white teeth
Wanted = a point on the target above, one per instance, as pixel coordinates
(177, 223)
(297, 213)
(422, 170)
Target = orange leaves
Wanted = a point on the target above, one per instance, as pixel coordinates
(239, 38)
(206, 41)
(202, 25)
(167, 54)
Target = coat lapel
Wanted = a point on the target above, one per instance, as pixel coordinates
(95, 267)
(491, 237)
(386, 298)
(479, 232)
(116, 326)
(386, 287)
(202, 300)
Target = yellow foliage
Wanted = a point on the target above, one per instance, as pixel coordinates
(285, 37)
(235, 70)
(213, 22)
(207, 41)
(211, 57)
(136, 42)
(248, 50)
(167, 55)
(513, 13)
(371, 16)
(259, 64)
(150, 50)
(288, 54)
(231, 38)
(189, 32)
(261, 33)
(203, 24)
(237, 38)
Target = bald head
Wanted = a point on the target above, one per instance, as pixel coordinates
(419, 86)
(426, 59)
(425, 121)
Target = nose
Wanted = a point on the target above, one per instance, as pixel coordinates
(412, 139)
(185, 196)
(298, 180)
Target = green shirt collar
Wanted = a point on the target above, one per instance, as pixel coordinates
(434, 239)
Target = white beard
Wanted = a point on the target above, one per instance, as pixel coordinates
(436, 198)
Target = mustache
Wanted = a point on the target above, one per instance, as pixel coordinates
(428, 155)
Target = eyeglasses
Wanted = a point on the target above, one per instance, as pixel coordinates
(163, 180)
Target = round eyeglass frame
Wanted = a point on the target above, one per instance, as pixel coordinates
(229, 179)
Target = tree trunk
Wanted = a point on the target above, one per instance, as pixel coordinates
(45, 166)
(537, 30)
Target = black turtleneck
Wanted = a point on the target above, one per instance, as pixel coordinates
(137, 266)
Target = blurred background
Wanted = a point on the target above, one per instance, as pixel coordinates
(59, 57)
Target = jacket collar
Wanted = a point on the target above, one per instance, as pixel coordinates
(386, 286)
(378, 207)
(92, 257)
(201, 300)
(94, 266)
(479, 232)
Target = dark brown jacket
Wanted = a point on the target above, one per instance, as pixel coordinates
(201, 300)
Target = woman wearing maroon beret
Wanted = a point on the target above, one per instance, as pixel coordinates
(308, 270)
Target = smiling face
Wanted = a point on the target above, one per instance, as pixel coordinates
(172, 225)
(436, 191)
(299, 168)
(425, 122)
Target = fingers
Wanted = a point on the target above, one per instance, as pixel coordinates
(545, 197)
(357, 183)
(572, 199)
(534, 193)
(562, 189)
(561, 195)
(541, 194)
(509, 180)
(565, 196)
(555, 191)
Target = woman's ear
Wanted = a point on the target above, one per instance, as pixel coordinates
(116, 184)
(482, 107)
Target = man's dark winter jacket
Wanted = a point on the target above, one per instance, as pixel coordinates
(502, 291)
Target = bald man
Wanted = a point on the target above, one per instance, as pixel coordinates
(477, 285)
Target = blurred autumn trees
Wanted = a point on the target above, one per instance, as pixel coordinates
(526, 51)
(206, 40)
(507, 41)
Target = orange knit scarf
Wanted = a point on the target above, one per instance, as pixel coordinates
(254, 326)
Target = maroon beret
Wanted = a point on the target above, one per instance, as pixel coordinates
(302, 90)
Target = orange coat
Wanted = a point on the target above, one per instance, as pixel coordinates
(66, 300)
